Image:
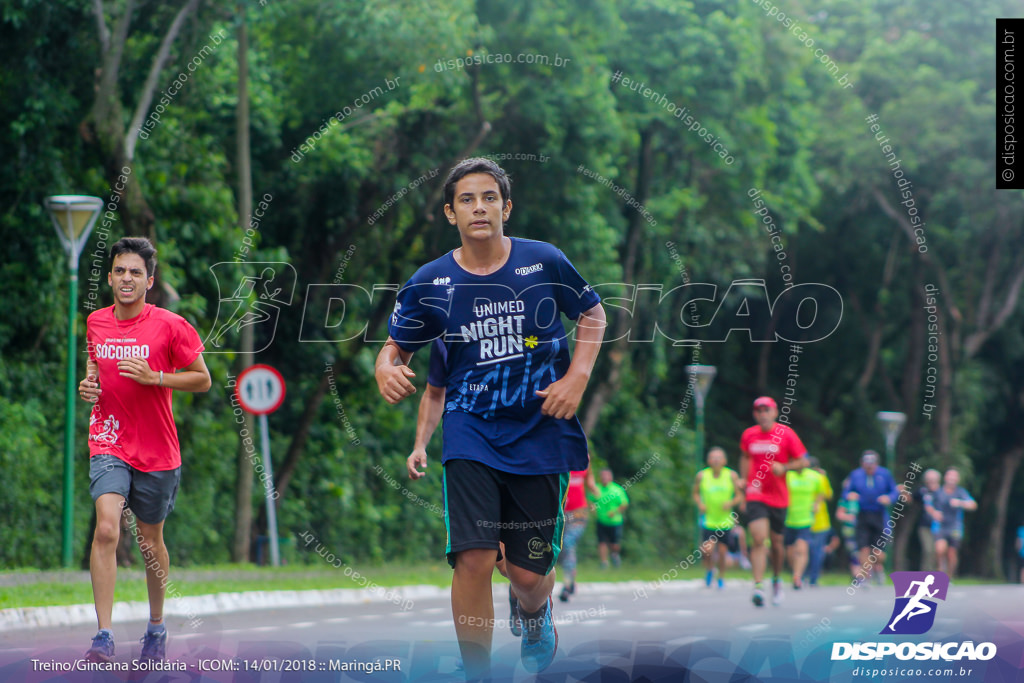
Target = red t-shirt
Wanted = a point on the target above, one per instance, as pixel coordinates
(575, 494)
(132, 421)
(759, 445)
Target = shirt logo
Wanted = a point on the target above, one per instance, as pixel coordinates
(442, 280)
(526, 270)
(913, 612)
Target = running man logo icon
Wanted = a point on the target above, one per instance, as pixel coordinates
(258, 292)
(914, 611)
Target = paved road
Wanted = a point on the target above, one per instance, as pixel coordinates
(679, 625)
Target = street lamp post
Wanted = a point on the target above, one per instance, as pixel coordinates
(701, 377)
(73, 217)
(892, 424)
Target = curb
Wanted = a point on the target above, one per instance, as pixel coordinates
(193, 607)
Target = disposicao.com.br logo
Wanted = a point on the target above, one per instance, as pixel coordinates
(913, 614)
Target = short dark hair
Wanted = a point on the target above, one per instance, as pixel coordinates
(477, 165)
(135, 245)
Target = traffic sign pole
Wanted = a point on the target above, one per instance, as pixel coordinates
(268, 487)
(260, 390)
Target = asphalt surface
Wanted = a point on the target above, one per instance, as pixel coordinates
(608, 632)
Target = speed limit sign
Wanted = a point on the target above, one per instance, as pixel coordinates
(260, 389)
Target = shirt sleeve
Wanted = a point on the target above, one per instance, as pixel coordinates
(573, 294)
(893, 491)
(185, 344)
(420, 314)
(438, 373)
(796, 446)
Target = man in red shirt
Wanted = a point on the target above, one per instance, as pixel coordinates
(136, 351)
(768, 449)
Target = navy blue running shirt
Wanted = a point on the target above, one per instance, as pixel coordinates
(504, 339)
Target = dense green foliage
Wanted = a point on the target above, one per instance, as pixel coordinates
(790, 127)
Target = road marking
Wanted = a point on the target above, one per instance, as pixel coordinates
(803, 615)
(753, 628)
(336, 620)
(842, 608)
(643, 624)
(686, 640)
(301, 624)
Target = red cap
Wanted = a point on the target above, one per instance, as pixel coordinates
(765, 401)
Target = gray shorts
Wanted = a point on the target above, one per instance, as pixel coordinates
(150, 495)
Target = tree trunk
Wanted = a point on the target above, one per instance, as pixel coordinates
(241, 548)
(606, 387)
(988, 553)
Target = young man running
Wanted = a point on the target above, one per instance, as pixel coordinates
(806, 496)
(610, 502)
(768, 451)
(946, 506)
(138, 355)
(717, 492)
(511, 436)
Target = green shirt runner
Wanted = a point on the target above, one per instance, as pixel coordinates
(804, 488)
(715, 492)
(608, 501)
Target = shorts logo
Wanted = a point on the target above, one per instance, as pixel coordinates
(538, 547)
(526, 270)
(913, 612)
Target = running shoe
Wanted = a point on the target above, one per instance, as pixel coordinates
(514, 623)
(758, 597)
(154, 646)
(540, 641)
(721, 584)
(707, 578)
(102, 649)
(777, 594)
(564, 595)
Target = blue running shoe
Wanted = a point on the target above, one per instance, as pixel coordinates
(540, 641)
(514, 624)
(154, 646)
(758, 597)
(102, 649)
(707, 578)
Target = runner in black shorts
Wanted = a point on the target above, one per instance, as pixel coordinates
(874, 490)
(510, 404)
(769, 449)
(776, 516)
